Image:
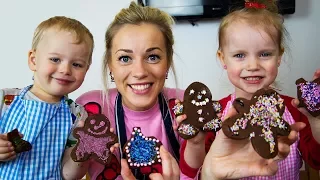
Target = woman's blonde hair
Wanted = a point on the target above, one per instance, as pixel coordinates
(63, 23)
(137, 14)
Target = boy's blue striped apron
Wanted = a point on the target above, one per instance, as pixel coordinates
(47, 127)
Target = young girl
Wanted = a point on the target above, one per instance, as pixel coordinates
(251, 45)
(60, 57)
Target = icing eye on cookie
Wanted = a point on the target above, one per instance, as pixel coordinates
(200, 109)
(94, 140)
(142, 151)
(259, 119)
(309, 95)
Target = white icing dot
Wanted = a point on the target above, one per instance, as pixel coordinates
(157, 140)
(158, 156)
(159, 160)
(129, 160)
(140, 134)
(149, 163)
(132, 139)
(131, 164)
(127, 151)
(157, 148)
(152, 161)
(158, 152)
(135, 128)
(132, 133)
(129, 144)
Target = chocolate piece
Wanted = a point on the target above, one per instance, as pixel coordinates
(18, 143)
(141, 151)
(94, 140)
(201, 111)
(309, 95)
(259, 119)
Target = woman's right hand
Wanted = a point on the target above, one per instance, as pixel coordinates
(6, 149)
(170, 168)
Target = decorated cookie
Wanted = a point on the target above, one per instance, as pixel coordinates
(309, 95)
(259, 119)
(201, 111)
(18, 143)
(142, 151)
(94, 140)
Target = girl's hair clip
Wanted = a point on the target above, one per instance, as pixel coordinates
(255, 5)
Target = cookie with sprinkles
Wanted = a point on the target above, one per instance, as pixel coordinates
(200, 109)
(142, 151)
(94, 140)
(309, 95)
(260, 120)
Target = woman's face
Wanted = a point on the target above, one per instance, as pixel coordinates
(139, 64)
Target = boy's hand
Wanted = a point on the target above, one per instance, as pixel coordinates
(6, 149)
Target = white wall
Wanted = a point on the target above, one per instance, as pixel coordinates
(195, 46)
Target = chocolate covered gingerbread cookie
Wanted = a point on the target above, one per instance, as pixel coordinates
(200, 109)
(309, 95)
(18, 143)
(141, 151)
(259, 119)
(94, 140)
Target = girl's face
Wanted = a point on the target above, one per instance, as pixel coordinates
(139, 64)
(251, 57)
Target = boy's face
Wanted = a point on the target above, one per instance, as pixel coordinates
(59, 64)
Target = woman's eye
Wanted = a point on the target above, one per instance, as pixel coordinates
(239, 56)
(154, 58)
(124, 59)
(55, 60)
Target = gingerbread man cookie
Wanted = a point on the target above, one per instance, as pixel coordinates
(142, 151)
(18, 143)
(94, 140)
(309, 95)
(200, 109)
(259, 119)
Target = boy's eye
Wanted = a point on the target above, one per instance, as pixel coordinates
(239, 56)
(55, 60)
(77, 65)
(124, 59)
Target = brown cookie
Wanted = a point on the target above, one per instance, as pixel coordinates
(141, 151)
(200, 109)
(94, 140)
(309, 95)
(18, 143)
(259, 119)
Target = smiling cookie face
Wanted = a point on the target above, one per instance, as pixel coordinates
(94, 140)
(309, 95)
(259, 119)
(200, 110)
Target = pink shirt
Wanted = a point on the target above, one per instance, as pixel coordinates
(150, 121)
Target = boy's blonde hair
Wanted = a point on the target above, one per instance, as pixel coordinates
(63, 23)
(266, 18)
(136, 15)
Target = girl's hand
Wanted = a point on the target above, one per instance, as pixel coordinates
(239, 159)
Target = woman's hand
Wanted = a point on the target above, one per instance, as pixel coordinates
(170, 168)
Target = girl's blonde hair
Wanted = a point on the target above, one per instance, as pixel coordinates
(136, 15)
(63, 23)
(266, 18)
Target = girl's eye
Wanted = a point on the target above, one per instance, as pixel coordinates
(124, 59)
(55, 60)
(265, 54)
(154, 58)
(239, 56)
